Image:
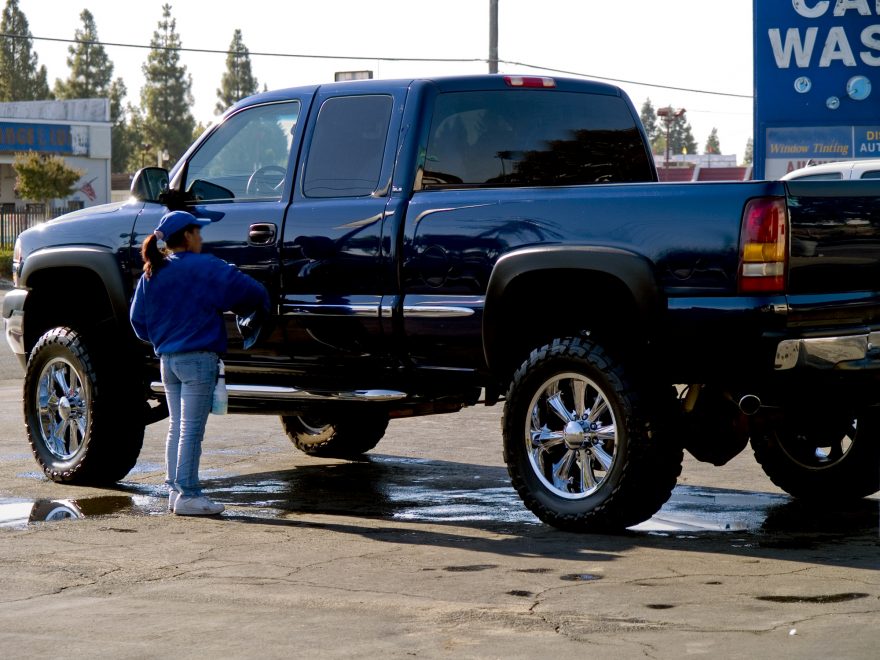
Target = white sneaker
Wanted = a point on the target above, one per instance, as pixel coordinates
(172, 500)
(197, 506)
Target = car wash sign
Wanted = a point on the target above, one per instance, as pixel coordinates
(817, 82)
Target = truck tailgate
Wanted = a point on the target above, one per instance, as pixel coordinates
(834, 268)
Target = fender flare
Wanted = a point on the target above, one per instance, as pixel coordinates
(632, 270)
(102, 262)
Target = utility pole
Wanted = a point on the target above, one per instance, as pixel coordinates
(669, 115)
(493, 36)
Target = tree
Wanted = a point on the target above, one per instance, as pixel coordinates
(749, 155)
(652, 128)
(680, 133)
(91, 77)
(713, 146)
(238, 81)
(21, 76)
(166, 98)
(124, 139)
(43, 177)
(91, 71)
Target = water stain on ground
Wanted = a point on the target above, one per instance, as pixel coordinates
(830, 598)
(580, 577)
(428, 491)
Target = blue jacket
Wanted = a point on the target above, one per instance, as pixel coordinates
(180, 308)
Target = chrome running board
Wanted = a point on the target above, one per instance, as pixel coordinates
(275, 393)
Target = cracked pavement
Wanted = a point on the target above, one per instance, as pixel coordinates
(423, 550)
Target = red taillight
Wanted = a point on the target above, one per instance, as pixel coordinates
(529, 81)
(763, 246)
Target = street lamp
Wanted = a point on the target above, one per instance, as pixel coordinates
(669, 115)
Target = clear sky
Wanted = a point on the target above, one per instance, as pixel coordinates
(693, 44)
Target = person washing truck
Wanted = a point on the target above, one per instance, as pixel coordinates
(177, 307)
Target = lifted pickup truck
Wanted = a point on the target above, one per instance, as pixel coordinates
(437, 243)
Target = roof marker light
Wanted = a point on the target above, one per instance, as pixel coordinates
(529, 81)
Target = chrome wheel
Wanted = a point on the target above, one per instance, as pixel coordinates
(571, 436)
(62, 404)
(820, 450)
(832, 459)
(83, 411)
(336, 434)
(584, 441)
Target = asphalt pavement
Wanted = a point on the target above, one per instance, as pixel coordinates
(420, 550)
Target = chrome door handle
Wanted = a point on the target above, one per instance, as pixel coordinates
(262, 233)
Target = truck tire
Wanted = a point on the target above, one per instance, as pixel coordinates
(341, 438)
(83, 425)
(583, 448)
(832, 461)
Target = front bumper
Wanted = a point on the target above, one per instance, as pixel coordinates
(13, 316)
(850, 352)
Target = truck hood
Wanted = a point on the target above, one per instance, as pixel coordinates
(107, 225)
(97, 211)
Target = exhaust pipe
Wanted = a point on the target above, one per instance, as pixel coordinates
(749, 404)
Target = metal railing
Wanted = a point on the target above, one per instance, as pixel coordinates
(14, 220)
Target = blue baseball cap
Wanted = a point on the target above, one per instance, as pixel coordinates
(175, 221)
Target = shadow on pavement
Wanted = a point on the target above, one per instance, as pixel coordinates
(452, 497)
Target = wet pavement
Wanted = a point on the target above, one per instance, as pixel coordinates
(417, 491)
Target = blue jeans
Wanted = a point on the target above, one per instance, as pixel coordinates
(189, 380)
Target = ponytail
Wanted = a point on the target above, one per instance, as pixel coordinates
(153, 257)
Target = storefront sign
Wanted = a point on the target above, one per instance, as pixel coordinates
(53, 138)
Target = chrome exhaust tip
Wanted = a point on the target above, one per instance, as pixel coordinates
(749, 404)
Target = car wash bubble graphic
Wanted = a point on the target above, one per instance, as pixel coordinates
(803, 85)
(858, 88)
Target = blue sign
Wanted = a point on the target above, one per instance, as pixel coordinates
(867, 141)
(817, 67)
(53, 138)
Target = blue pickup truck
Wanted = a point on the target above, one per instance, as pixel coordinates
(432, 244)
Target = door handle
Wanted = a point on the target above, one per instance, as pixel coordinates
(262, 233)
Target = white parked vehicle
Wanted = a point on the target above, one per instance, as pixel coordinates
(865, 168)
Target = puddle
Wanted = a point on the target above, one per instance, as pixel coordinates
(429, 491)
(694, 509)
(19, 514)
(580, 577)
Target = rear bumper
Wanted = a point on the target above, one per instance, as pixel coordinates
(849, 352)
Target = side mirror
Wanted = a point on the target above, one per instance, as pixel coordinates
(148, 183)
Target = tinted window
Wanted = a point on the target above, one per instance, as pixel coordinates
(345, 159)
(246, 157)
(827, 176)
(528, 138)
(871, 174)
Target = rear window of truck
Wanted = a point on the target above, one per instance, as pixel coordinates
(532, 138)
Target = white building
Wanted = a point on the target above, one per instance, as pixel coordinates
(78, 130)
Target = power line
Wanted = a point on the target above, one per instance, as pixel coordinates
(628, 82)
(378, 59)
(240, 52)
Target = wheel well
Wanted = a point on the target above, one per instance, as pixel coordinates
(537, 307)
(74, 297)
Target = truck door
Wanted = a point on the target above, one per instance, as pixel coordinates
(240, 177)
(335, 268)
